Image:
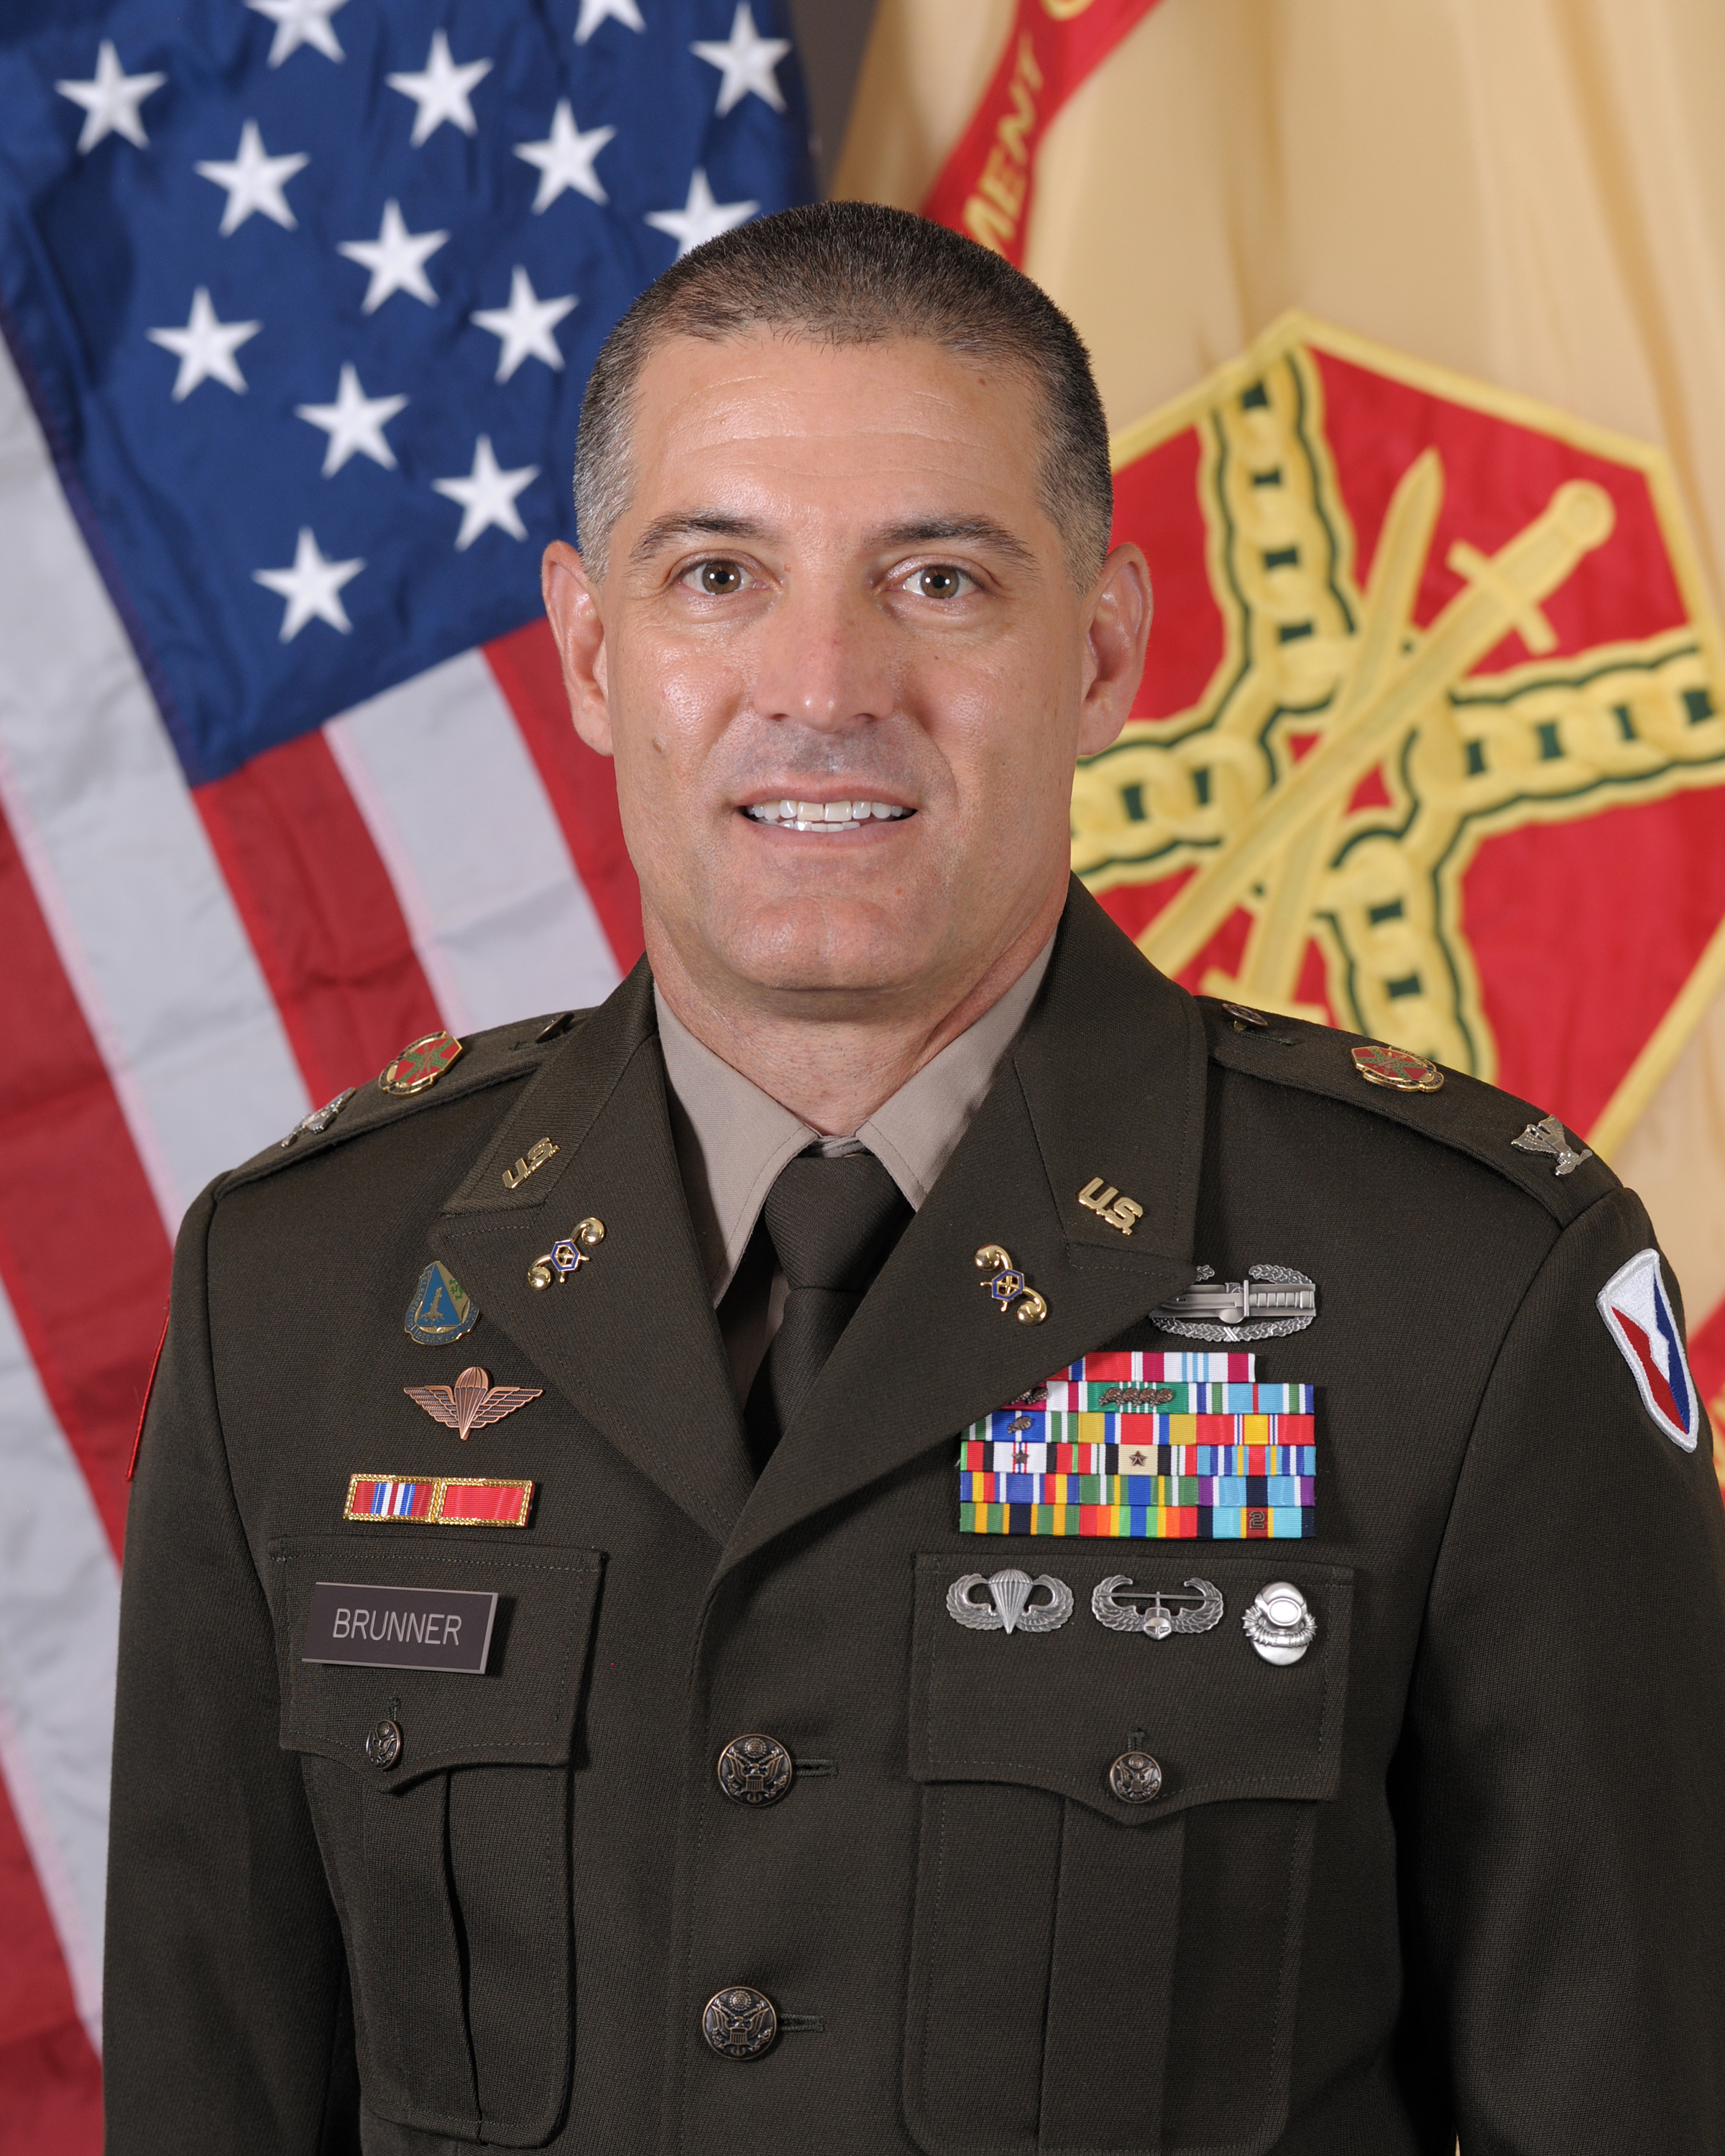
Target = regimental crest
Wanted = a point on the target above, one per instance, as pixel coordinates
(1639, 1318)
(471, 1403)
(1415, 634)
(420, 1063)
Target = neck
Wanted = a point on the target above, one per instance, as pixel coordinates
(834, 1071)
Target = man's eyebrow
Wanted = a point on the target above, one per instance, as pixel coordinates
(931, 531)
(694, 524)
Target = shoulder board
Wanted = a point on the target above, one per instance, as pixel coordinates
(1463, 1112)
(493, 1057)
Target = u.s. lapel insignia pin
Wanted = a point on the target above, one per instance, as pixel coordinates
(472, 1402)
(533, 1159)
(441, 1310)
(1107, 1204)
(1008, 1284)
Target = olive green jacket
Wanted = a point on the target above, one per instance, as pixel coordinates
(1459, 1868)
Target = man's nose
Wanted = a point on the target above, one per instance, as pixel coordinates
(824, 659)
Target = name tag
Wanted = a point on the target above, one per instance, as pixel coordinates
(400, 1628)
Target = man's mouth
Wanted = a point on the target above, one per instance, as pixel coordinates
(825, 817)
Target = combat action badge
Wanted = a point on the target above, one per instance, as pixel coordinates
(441, 1310)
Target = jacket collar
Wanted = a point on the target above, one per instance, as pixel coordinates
(1107, 1078)
(630, 1338)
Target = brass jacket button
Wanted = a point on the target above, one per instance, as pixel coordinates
(740, 2023)
(1135, 1778)
(755, 1770)
(384, 1743)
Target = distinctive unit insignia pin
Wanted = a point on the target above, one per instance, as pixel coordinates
(441, 1310)
(320, 1119)
(1270, 1302)
(420, 1063)
(536, 1155)
(568, 1255)
(1009, 1607)
(1162, 1615)
(472, 1402)
(1109, 1205)
(1380, 1065)
(1548, 1136)
(1008, 1286)
(439, 1500)
(1279, 1624)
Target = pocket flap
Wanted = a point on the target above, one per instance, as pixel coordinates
(1053, 1710)
(520, 1711)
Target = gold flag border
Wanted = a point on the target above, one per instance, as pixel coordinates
(1666, 1042)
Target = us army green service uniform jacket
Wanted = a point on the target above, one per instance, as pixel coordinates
(1460, 1867)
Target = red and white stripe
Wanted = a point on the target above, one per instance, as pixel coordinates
(189, 970)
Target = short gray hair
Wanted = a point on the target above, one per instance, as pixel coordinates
(852, 273)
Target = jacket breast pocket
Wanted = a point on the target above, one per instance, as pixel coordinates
(1095, 1971)
(447, 1843)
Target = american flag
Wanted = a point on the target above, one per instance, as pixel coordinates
(300, 297)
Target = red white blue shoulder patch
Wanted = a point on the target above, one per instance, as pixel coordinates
(1639, 1316)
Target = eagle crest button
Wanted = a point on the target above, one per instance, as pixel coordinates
(740, 2022)
(383, 1743)
(755, 1769)
(1136, 1777)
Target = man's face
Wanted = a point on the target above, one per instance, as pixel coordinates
(835, 583)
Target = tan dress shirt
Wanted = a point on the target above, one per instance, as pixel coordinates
(733, 1139)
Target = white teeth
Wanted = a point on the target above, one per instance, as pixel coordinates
(825, 816)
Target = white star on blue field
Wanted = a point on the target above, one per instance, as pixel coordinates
(308, 291)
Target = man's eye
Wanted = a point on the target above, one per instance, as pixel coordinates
(717, 579)
(941, 582)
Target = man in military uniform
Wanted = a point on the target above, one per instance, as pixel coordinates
(960, 1551)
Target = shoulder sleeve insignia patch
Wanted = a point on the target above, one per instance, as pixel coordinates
(1639, 1318)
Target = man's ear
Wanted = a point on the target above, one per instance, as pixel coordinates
(1116, 634)
(573, 608)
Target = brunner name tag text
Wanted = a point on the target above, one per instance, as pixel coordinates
(399, 1628)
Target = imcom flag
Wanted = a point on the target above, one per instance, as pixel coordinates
(1431, 742)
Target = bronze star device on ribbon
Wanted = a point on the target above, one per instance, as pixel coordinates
(472, 1402)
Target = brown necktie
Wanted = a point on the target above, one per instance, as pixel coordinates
(832, 1219)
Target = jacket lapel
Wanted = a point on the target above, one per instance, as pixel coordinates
(630, 1339)
(1107, 1079)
